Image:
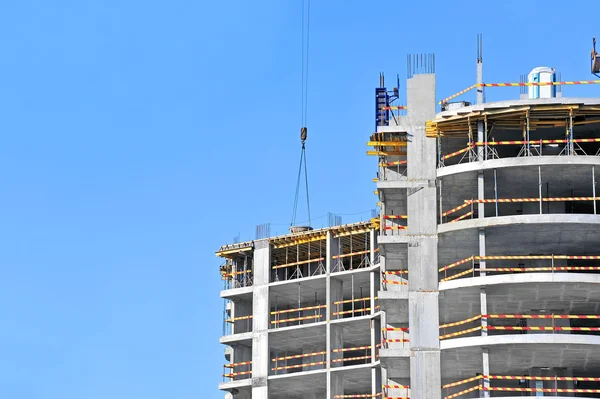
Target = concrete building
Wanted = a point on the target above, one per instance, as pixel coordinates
(480, 278)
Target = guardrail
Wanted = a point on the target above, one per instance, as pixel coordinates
(553, 267)
(484, 384)
(485, 320)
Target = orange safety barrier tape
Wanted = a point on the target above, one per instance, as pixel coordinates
(519, 142)
(238, 318)
(316, 316)
(366, 251)
(536, 257)
(295, 366)
(445, 100)
(394, 329)
(395, 340)
(458, 323)
(395, 272)
(395, 216)
(519, 257)
(457, 263)
(299, 309)
(298, 356)
(395, 387)
(302, 262)
(511, 328)
(236, 273)
(394, 282)
(351, 300)
(540, 316)
(551, 390)
(535, 199)
(356, 348)
(230, 375)
(537, 378)
(520, 84)
(454, 395)
(458, 208)
(456, 334)
(395, 163)
(394, 107)
(461, 382)
(455, 153)
(396, 227)
(457, 275)
(350, 358)
(232, 365)
(462, 217)
(351, 311)
(540, 269)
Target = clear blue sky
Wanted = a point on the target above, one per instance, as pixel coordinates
(138, 136)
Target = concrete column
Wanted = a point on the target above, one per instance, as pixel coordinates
(482, 251)
(334, 339)
(335, 384)
(425, 378)
(260, 320)
(372, 246)
(486, 371)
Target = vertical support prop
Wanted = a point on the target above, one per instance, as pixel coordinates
(496, 191)
(540, 186)
(594, 187)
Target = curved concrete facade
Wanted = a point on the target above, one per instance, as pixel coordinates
(481, 223)
(526, 278)
(549, 339)
(545, 160)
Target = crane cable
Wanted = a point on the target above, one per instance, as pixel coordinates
(304, 109)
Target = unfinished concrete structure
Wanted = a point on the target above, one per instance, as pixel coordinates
(480, 278)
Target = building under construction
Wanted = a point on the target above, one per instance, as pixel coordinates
(480, 277)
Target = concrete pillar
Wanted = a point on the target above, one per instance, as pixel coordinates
(486, 372)
(260, 320)
(334, 339)
(335, 384)
(425, 378)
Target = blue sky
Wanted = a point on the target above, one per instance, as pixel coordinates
(137, 137)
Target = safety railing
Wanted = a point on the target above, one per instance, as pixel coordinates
(393, 279)
(404, 389)
(499, 383)
(246, 324)
(474, 269)
(357, 307)
(471, 152)
(518, 84)
(354, 355)
(237, 279)
(392, 170)
(469, 204)
(301, 364)
(355, 258)
(235, 370)
(293, 270)
(520, 325)
(394, 337)
(393, 225)
(296, 316)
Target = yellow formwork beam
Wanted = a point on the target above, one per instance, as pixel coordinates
(387, 143)
(386, 153)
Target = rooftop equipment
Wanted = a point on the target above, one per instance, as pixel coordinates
(542, 75)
